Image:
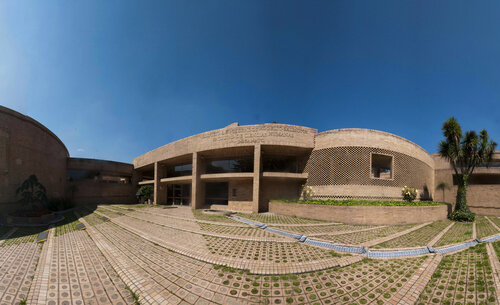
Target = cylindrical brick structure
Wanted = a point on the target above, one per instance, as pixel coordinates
(27, 147)
(367, 164)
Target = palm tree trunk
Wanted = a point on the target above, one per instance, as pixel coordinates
(444, 200)
(461, 203)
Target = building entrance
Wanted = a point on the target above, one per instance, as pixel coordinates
(179, 194)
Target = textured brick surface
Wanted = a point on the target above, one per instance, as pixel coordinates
(373, 215)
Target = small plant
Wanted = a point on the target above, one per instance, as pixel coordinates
(307, 192)
(409, 193)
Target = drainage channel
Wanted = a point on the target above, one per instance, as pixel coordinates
(365, 251)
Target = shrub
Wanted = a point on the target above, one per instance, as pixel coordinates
(146, 191)
(463, 216)
(409, 193)
(307, 192)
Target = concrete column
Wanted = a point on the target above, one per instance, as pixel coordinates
(256, 178)
(196, 187)
(156, 183)
(160, 192)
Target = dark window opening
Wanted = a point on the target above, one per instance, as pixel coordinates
(284, 164)
(216, 193)
(494, 163)
(479, 179)
(147, 175)
(179, 170)
(116, 179)
(236, 165)
(179, 194)
(381, 166)
(80, 174)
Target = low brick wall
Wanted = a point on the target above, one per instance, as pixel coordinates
(370, 215)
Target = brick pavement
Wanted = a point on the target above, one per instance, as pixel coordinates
(17, 266)
(177, 260)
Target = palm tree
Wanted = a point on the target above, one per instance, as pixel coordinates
(32, 191)
(464, 152)
(443, 186)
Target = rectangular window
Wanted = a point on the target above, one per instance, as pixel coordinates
(381, 166)
(80, 174)
(283, 164)
(179, 170)
(494, 163)
(116, 179)
(235, 165)
(216, 193)
(478, 179)
(179, 194)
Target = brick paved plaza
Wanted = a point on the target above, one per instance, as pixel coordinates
(163, 255)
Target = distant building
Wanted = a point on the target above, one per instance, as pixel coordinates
(27, 147)
(240, 168)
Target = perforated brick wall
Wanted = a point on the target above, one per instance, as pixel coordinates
(351, 165)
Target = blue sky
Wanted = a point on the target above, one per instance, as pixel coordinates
(115, 79)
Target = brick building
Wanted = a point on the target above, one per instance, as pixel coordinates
(240, 168)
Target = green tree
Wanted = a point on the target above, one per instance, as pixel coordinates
(464, 152)
(32, 192)
(146, 191)
(443, 186)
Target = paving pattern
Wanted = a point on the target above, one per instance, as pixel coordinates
(459, 232)
(495, 220)
(260, 256)
(17, 267)
(420, 237)
(484, 227)
(78, 274)
(281, 220)
(325, 229)
(154, 255)
(464, 277)
(364, 236)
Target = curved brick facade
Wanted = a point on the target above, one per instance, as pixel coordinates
(349, 167)
(342, 163)
(340, 166)
(27, 147)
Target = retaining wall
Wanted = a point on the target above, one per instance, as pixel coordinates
(366, 215)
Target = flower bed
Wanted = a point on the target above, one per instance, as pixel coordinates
(363, 212)
(363, 202)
